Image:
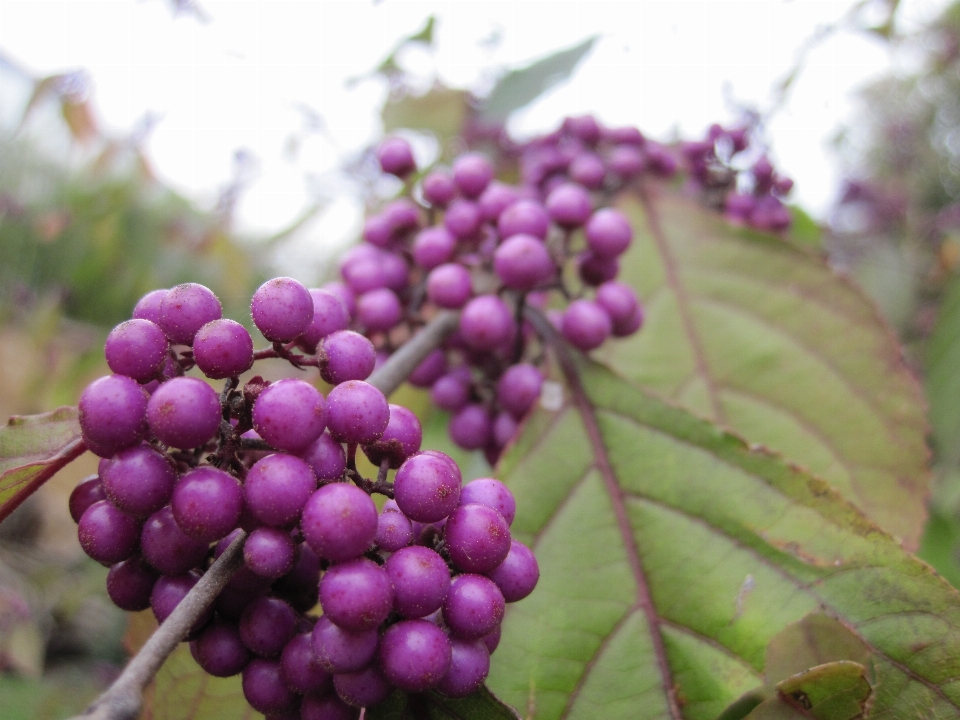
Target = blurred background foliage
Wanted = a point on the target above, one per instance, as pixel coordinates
(86, 229)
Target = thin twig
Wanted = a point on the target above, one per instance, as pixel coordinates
(124, 698)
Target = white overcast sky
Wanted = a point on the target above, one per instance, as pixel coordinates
(236, 80)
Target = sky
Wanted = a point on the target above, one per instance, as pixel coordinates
(246, 75)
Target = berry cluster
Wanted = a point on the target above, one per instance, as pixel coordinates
(459, 239)
(750, 196)
(411, 596)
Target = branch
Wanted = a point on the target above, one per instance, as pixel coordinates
(124, 698)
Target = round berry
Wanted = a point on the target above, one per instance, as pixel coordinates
(495, 199)
(492, 493)
(363, 688)
(486, 323)
(474, 607)
(377, 230)
(264, 687)
(469, 667)
(301, 671)
(430, 368)
(526, 217)
(396, 157)
(138, 480)
(207, 503)
(137, 349)
(277, 487)
(414, 655)
(184, 412)
(220, 651)
(326, 457)
(394, 531)
(402, 216)
(130, 584)
(477, 537)
(522, 262)
(169, 591)
(358, 412)
(427, 487)
(420, 580)
(340, 651)
(223, 349)
(472, 173)
(168, 548)
(462, 219)
(281, 309)
(326, 707)
(344, 294)
(339, 521)
(379, 310)
(329, 316)
(503, 429)
(290, 414)
(113, 414)
(356, 595)
(470, 428)
(86, 493)
(587, 169)
(517, 575)
(625, 161)
(608, 233)
(270, 552)
(346, 355)
(449, 286)
(438, 188)
(107, 534)
(399, 441)
(519, 388)
(585, 325)
(433, 246)
(185, 309)
(569, 205)
(267, 625)
(148, 307)
(596, 271)
(629, 326)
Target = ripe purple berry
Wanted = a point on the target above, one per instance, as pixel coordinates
(339, 521)
(396, 157)
(586, 325)
(608, 233)
(399, 441)
(486, 323)
(222, 349)
(113, 414)
(477, 537)
(522, 262)
(449, 286)
(282, 309)
(569, 205)
(185, 309)
(358, 412)
(184, 412)
(472, 173)
(290, 414)
(137, 349)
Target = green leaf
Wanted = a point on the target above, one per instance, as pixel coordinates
(440, 111)
(816, 640)
(32, 449)
(672, 552)
(762, 337)
(943, 376)
(482, 705)
(521, 87)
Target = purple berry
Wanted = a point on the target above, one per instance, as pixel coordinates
(290, 414)
(137, 349)
(625, 161)
(223, 349)
(169, 591)
(148, 307)
(394, 531)
(267, 625)
(400, 440)
(402, 215)
(363, 688)
(470, 428)
(433, 246)
(420, 580)
(492, 639)
(113, 414)
(379, 310)
(396, 273)
(264, 688)
(107, 534)
(474, 606)
(439, 188)
(377, 230)
(472, 173)
(478, 538)
(138, 480)
(629, 326)
(486, 323)
(659, 161)
(626, 136)
(451, 392)
(339, 521)
(364, 272)
(495, 199)
(469, 667)
(526, 217)
(519, 388)
(301, 671)
(463, 219)
(281, 309)
(326, 457)
(86, 493)
(358, 412)
(569, 205)
(596, 271)
(130, 583)
(329, 316)
(584, 127)
(301, 586)
(277, 487)
(587, 169)
(346, 355)
(270, 552)
(427, 487)
(517, 575)
(502, 431)
(207, 503)
(327, 707)
(492, 493)
(184, 412)
(431, 367)
(344, 294)
(608, 233)
(166, 547)
(449, 286)
(220, 651)
(414, 655)
(340, 651)
(585, 324)
(356, 595)
(396, 157)
(185, 309)
(522, 262)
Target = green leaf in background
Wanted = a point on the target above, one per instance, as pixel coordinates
(519, 88)
(441, 111)
(762, 337)
(672, 552)
(942, 364)
(833, 691)
(32, 449)
(482, 705)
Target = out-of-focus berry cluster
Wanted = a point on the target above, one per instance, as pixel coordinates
(411, 597)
